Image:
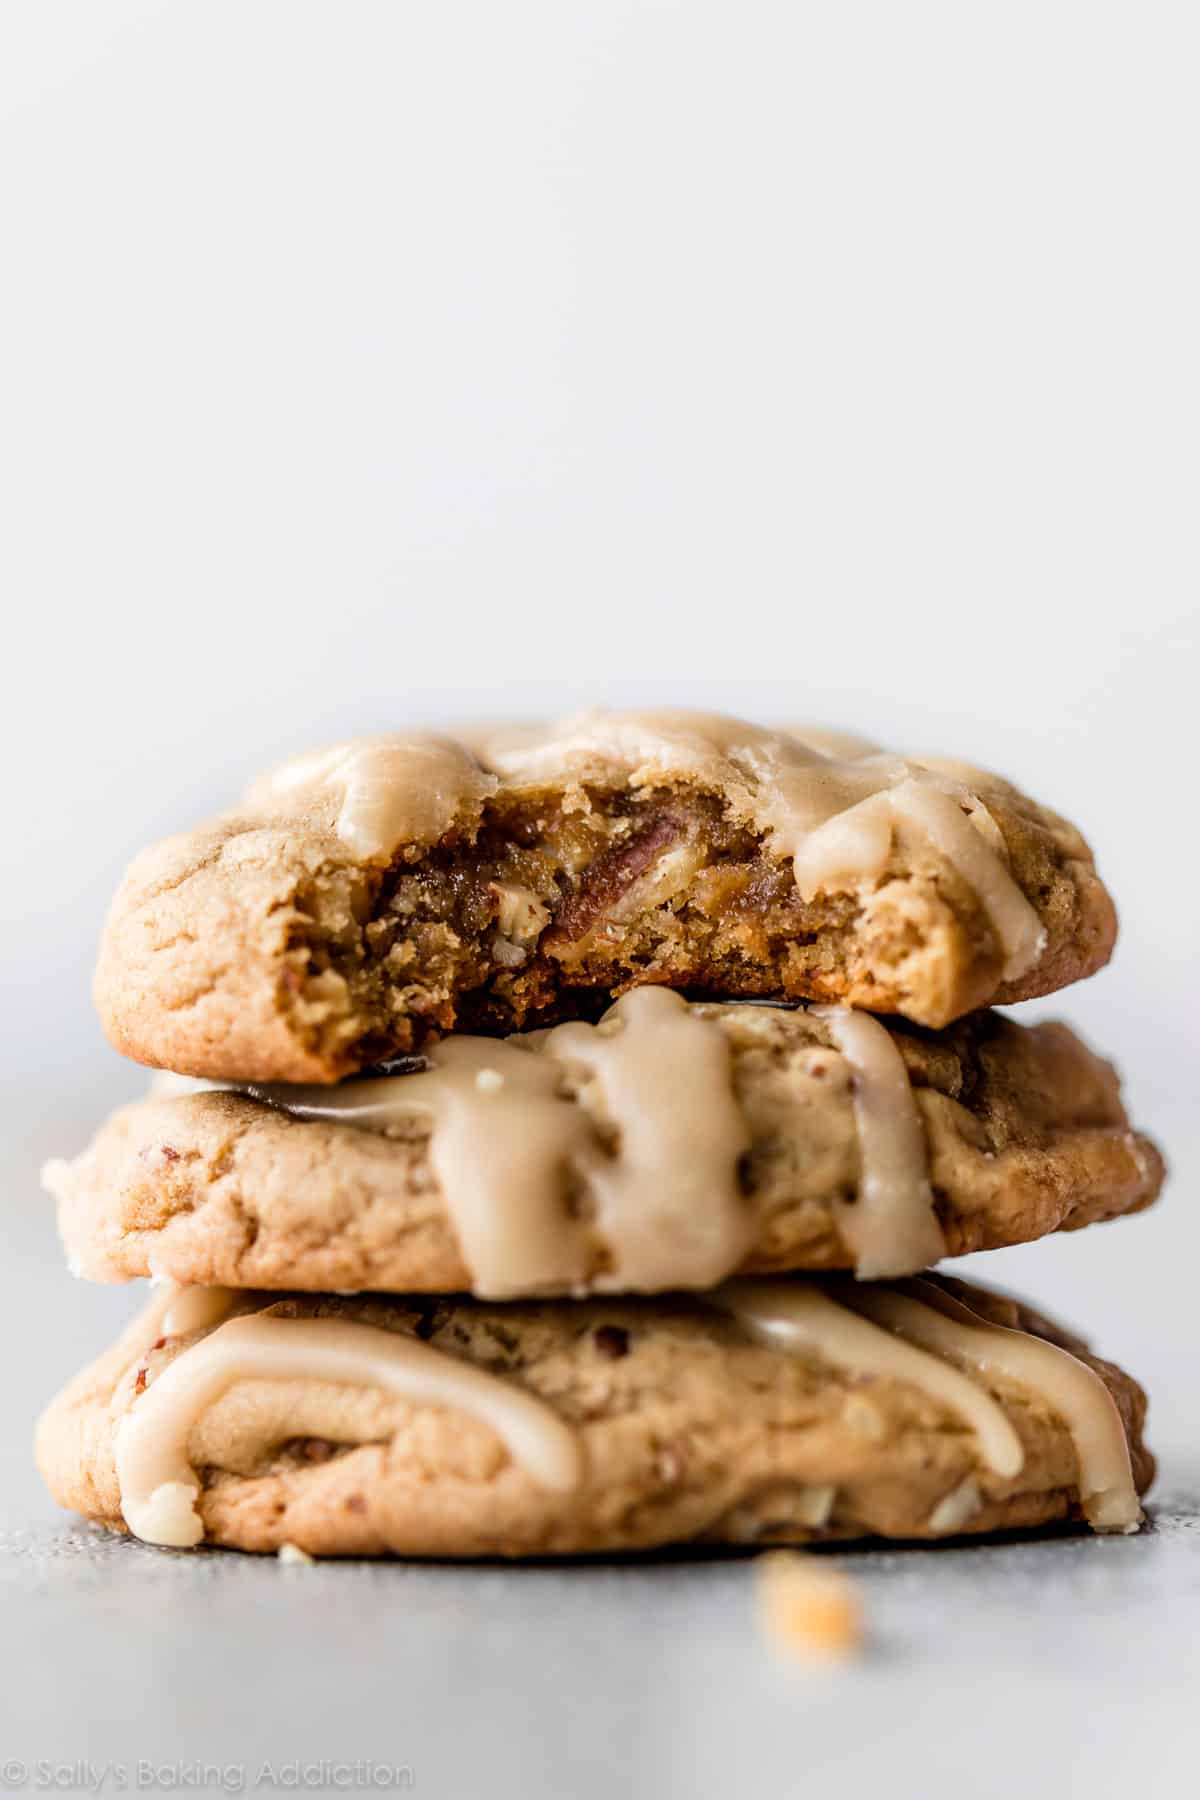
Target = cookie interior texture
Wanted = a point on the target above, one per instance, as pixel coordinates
(265, 948)
(691, 1430)
(1024, 1131)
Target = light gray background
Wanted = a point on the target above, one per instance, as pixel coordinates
(370, 364)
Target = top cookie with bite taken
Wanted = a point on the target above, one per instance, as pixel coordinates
(372, 896)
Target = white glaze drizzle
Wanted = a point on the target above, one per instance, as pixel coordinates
(158, 1485)
(891, 1226)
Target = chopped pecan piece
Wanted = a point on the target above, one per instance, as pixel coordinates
(608, 879)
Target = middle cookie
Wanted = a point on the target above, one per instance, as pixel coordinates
(666, 1147)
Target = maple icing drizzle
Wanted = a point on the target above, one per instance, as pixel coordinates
(828, 801)
(948, 1338)
(804, 1317)
(540, 1201)
(891, 1225)
(915, 1334)
(926, 1315)
(383, 791)
(158, 1485)
(195, 1308)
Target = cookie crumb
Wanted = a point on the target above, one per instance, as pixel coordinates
(807, 1606)
(292, 1553)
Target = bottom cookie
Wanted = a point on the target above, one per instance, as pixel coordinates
(769, 1412)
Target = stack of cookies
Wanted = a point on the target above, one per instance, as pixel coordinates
(555, 1133)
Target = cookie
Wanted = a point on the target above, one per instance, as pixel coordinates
(666, 1147)
(788, 1411)
(366, 899)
